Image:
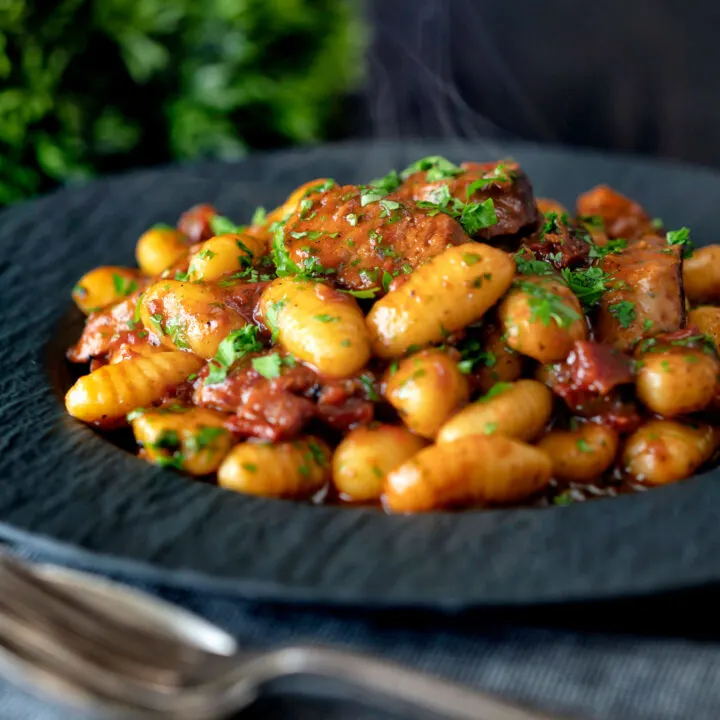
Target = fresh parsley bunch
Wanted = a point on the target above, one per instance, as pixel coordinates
(90, 86)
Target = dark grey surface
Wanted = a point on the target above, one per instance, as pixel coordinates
(624, 75)
(68, 492)
(571, 674)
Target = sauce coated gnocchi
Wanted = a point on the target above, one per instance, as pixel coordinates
(436, 339)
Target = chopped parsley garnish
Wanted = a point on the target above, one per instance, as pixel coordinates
(270, 366)
(327, 318)
(550, 224)
(473, 356)
(611, 247)
(388, 183)
(369, 386)
(472, 216)
(531, 266)
(681, 237)
(162, 226)
(435, 167)
(284, 264)
(593, 221)
(588, 285)
(470, 258)
(388, 207)
(497, 389)
(259, 216)
(271, 317)
(564, 498)
(250, 467)
(647, 324)
(206, 254)
(546, 306)
(248, 252)
(370, 195)
(175, 328)
(623, 312)
(205, 438)
(583, 446)
(497, 174)
(320, 188)
(316, 454)
(122, 286)
(235, 346)
(657, 223)
(136, 314)
(362, 294)
(490, 427)
(168, 440)
(377, 472)
(387, 278)
(221, 225)
(156, 322)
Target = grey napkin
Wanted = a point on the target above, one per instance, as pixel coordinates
(592, 676)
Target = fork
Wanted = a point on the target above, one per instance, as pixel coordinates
(122, 653)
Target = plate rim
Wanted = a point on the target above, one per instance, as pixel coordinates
(281, 591)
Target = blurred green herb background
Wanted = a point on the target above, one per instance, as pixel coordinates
(98, 86)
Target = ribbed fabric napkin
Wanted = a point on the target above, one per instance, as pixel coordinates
(590, 676)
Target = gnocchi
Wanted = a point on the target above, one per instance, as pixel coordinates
(435, 339)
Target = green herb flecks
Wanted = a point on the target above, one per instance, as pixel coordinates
(235, 346)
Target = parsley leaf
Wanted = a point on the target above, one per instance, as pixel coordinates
(497, 174)
(369, 386)
(268, 366)
(362, 294)
(284, 264)
(320, 188)
(327, 318)
(473, 356)
(205, 438)
(611, 247)
(546, 306)
(478, 216)
(497, 389)
(531, 266)
(370, 195)
(122, 286)
(588, 285)
(175, 328)
(435, 167)
(235, 346)
(681, 237)
(583, 446)
(623, 312)
(388, 206)
(388, 183)
(271, 317)
(221, 225)
(259, 217)
(387, 278)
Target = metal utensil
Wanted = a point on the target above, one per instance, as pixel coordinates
(122, 653)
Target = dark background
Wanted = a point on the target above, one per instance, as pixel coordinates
(92, 87)
(630, 75)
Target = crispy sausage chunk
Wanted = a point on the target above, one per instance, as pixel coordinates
(622, 217)
(645, 295)
(560, 242)
(333, 231)
(278, 408)
(504, 182)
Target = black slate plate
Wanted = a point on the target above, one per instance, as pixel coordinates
(68, 492)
